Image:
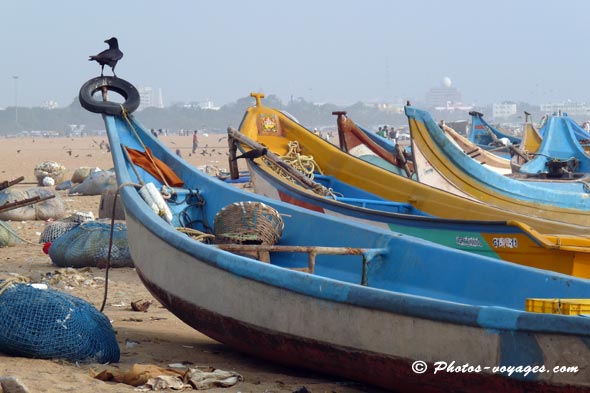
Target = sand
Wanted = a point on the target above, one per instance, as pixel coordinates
(154, 337)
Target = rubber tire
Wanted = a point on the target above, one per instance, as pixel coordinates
(121, 86)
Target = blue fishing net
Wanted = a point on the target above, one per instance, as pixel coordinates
(48, 324)
(88, 245)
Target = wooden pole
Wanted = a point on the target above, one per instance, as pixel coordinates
(233, 164)
(29, 201)
(7, 183)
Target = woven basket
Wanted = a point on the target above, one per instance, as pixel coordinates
(248, 223)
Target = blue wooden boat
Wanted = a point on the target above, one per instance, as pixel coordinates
(579, 133)
(549, 198)
(373, 306)
(560, 148)
(488, 137)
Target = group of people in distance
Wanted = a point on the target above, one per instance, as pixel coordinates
(389, 133)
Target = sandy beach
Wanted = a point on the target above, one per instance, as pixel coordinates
(155, 337)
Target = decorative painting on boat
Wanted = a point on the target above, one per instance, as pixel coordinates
(268, 124)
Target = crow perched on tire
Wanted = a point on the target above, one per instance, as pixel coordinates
(109, 56)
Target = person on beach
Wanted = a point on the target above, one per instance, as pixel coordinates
(195, 141)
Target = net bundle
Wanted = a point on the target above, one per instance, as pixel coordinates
(55, 229)
(87, 244)
(48, 324)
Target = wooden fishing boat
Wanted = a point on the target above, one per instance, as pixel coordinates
(370, 147)
(355, 172)
(556, 150)
(366, 145)
(567, 201)
(559, 148)
(490, 138)
(481, 155)
(377, 307)
(529, 145)
(510, 241)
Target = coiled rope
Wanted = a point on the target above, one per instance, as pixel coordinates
(303, 164)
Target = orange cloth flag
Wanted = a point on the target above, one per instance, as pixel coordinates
(143, 160)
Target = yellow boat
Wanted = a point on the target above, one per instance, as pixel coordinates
(274, 129)
(531, 142)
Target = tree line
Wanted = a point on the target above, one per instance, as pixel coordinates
(64, 120)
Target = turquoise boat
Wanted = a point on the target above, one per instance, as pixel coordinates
(330, 295)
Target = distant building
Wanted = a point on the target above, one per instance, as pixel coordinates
(390, 108)
(503, 110)
(444, 96)
(205, 105)
(569, 107)
(50, 104)
(208, 105)
(451, 107)
(147, 99)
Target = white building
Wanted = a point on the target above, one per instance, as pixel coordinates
(503, 110)
(208, 105)
(569, 107)
(147, 99)
(443, 96)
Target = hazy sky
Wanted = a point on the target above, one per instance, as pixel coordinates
(340, 51)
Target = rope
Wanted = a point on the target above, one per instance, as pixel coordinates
(149, 155)
(304, 164)
(111, 234)
(10, 281)
(195, 234)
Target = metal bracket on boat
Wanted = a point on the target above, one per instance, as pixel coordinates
(368, 254)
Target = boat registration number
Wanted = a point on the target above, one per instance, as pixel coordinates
(505, 242)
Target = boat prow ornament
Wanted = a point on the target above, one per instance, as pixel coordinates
(104, 84)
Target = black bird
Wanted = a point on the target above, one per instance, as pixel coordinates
(252, 154)
(109, 56)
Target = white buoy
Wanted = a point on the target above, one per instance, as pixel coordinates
(155, 201)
